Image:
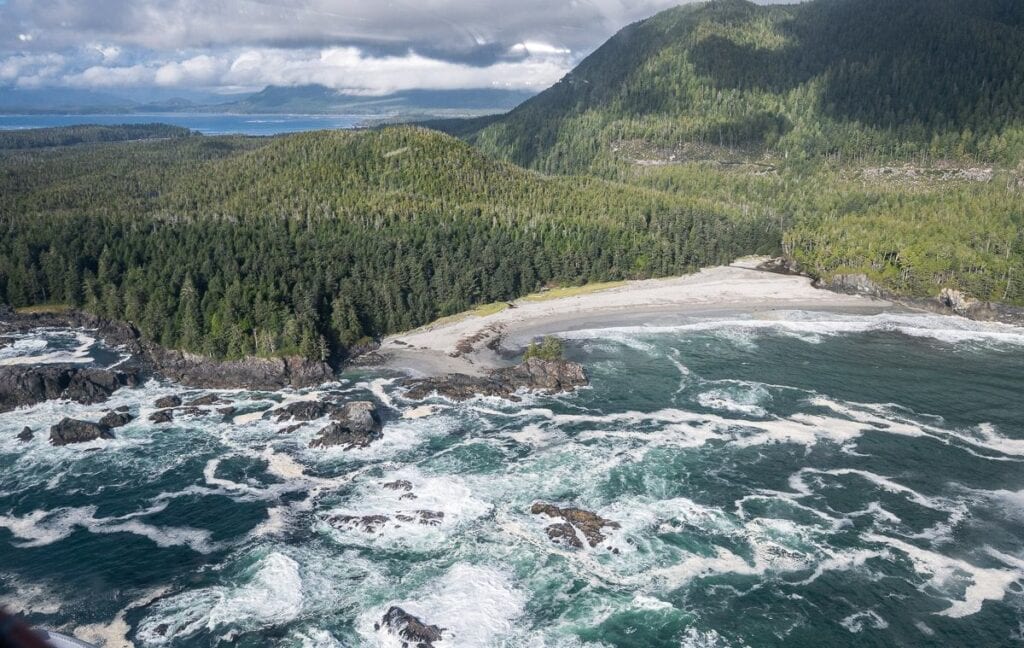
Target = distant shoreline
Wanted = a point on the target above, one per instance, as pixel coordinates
(738, 290)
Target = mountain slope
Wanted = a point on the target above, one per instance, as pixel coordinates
(861, 78)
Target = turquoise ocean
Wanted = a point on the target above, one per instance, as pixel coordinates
(810, 480)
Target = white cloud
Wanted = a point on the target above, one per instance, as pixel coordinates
(200, 71)
(347, 69)
(30, 65)
(351, 70)
(110, 53)
(102, 76)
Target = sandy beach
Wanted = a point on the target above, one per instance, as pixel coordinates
(474, 344)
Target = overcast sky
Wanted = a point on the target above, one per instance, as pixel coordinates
(362, 46)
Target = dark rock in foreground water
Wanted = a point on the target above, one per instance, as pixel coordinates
(357, 425)
(549, 376)
(26, 435)
(167, 402)
(116, 419)
(302, 411)
(206, 401)
(337, 434)
(410, 629)
(71, 431)
(163, 416)
(20, 386)
(587, 523)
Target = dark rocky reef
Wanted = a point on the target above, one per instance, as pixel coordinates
(117, 418)
(250, 373)
(21, 385)
(162, 416)
(184, 368)
(206, 401)
(410, 629)
(112, 332)
(26, 435)
(357, 425)
(373, 523)
(70, 431)
(167, 402)
(308, 410)
(574, 519)
(549, 376)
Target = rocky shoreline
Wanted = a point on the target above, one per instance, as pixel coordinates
(187, 369)
(352, 425)
(947, 302)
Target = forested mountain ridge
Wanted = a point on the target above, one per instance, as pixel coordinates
(306, 244)
(867, 79)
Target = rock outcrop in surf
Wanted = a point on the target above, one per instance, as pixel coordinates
(184, 368)
(536, 374)
(21, 386)
(575, 522)
(116, 418)
(356, 425)
(410, 629)
(70, 431)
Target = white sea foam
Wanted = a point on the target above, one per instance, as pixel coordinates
(743, 399)
(860, 621)
(40, 528)
(812, 327)
(32, 350)
(476, 605)
(447, 495)
(423, 411)
(271, 593)
(946, 576)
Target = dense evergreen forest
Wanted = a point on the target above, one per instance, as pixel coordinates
(68, 136)
(309, 243)
(856, 136)
(846, 79)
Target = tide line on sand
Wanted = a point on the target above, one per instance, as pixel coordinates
(738, 289)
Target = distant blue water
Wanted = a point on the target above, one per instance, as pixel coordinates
(208, 124)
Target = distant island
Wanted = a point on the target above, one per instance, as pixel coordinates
(305, 100)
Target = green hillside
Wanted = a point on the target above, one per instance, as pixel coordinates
(886, 137)
(307, 243)
(850, 79)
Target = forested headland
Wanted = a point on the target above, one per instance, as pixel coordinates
(307, 244)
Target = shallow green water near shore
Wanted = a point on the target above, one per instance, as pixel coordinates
(820, 480)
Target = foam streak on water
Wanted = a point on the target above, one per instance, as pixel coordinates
(834, 470)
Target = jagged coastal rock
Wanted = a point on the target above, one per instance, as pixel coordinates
(20, 386)
(162, 416)
(574, 523)
(357, 425)
(549, 376)
(948, 302)
(116, 418)
(181, 367)
(70, 431)
(167, 402)
(250, 373)
(26, 435)
(410, 629)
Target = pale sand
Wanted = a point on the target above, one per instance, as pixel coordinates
(738, 289)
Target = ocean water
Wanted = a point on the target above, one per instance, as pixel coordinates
(810, 481)
(208, 124)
